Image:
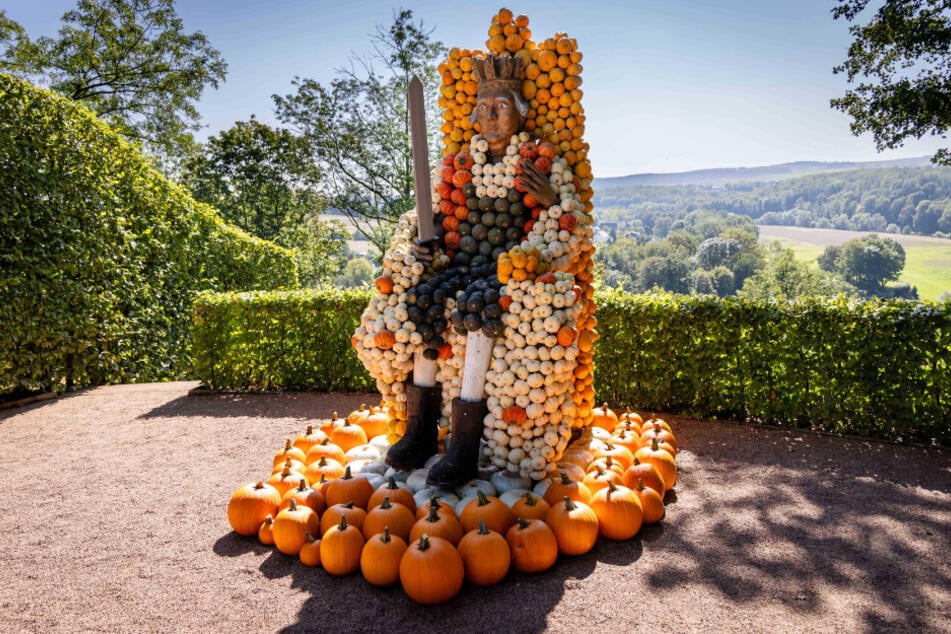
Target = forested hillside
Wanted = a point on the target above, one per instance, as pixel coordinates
(906, 200)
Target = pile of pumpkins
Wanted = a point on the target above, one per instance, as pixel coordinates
(332, 501)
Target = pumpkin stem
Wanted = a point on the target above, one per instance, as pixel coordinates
(323, 461)
(349, 504)
(530, 499)
(310, 536)
(611, 487)
(346, 474)
(482, 499)
(564, 478)
(522, 523)
(333, 417)
(434, 501)
(302, 486)
(287, 470)
(392, 483)
(424, 542)
(386, 503)
(268, 520)
(287, 445)
(310, 430)
(343, 523)
(655, 444)
(569, 505)
(293, 505)
(483, 529)
(259, 485)
(600, 470)
(640, 485)
(385, 535)
(433, 513)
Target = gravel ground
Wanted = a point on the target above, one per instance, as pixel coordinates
(114, 505)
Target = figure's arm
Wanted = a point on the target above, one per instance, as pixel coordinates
(536, 184)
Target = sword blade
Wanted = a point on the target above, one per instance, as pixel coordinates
(417, 124)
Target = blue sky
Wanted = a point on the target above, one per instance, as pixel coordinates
(670, 85)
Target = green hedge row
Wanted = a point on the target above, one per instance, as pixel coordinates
(101, 256)
(877, 369)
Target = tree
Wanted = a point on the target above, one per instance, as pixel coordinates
(128, 60)
(786, 278)
(319, 247)
(259, 177)
(868, 262)
(358, 126)
(901, 60)
(357, 272)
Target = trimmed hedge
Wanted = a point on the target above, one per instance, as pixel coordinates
(294, 340)
(101, 256)
(877, 369)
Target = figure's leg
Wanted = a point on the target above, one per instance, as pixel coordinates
(468, 412)
(423, 401)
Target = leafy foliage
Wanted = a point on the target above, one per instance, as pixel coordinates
(787, 278)
(297, 340)
(879, 369)
(901, 60)
(867, 262)
(101, 255)
(130, 61)
(357, 126)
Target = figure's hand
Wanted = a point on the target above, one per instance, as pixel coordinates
(536, 184)
(424, 250)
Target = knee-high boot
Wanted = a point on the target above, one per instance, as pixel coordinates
(421, 438)
(462, 459)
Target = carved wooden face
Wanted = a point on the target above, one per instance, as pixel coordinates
(498, 119)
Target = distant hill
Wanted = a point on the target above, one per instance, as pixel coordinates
(767, 173)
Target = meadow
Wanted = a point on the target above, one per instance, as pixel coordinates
(927, 259)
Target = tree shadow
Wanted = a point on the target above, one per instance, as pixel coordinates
(302, 405)
(828, 518)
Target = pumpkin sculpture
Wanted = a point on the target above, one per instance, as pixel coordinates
(431, 570)
(250, 504)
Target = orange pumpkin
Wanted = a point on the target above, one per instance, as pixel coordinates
(619, 512)
(600, 479)
(354, 515)
(250, 504)
(384, 339)
(487, 509)
(291, 526)
(396, 493)
(347, 436)
(341, 548)
(431, 570)
(394, 515)
(442, 509)
(266, 532)
(646, 472)
(308, 439)
(303, 494)
(531, 507)
(533, 545)
(325, 468)
(486, 556)
(380, 558)
(286, 479)
(604, 416)
(435, 524)
(618, 453)
(326, 449)
(310, 552)
(652, 503)
(661, 459)
(564, 486)
(514, 414)
(289, 451)
(346, 488)
(575, 526)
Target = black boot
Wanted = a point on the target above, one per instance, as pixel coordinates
(421, 438)
(462, 460)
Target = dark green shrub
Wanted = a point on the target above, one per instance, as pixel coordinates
(878, 369)
(101, 255)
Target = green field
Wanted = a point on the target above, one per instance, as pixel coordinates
(927, 259)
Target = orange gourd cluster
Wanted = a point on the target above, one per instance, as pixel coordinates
(325, 505)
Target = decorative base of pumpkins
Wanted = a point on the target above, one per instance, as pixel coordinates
(332, 501)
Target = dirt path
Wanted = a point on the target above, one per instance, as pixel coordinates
(114, 507)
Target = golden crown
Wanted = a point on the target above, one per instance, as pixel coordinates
(498, 72)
